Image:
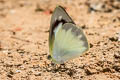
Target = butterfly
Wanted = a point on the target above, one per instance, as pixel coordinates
(66, 40)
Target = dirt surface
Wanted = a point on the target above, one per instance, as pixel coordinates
(24, 31)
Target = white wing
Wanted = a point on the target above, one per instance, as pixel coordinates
(70, 42)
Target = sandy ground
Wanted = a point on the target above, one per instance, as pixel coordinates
(24, 31)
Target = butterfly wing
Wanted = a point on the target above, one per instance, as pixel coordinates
(59, 16)
(66, 41)
(70, 42)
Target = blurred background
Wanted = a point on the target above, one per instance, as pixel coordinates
(24, 31)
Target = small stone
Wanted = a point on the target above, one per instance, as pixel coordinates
(18, 71)
(117, 55)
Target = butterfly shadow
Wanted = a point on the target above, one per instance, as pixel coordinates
(60, 68)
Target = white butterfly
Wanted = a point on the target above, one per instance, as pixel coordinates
(66, 40)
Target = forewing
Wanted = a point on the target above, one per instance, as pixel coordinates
(59, 16)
